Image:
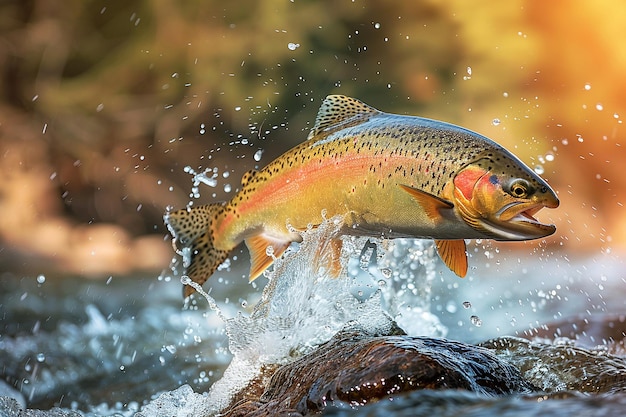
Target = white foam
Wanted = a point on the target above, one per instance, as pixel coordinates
(182, 402)
(303, 305)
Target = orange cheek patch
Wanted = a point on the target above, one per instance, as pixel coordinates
(466, 180)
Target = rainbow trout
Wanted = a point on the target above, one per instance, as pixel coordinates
(388, 175)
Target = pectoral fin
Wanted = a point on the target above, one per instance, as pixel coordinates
(453, 254)
(431, 204)
(260, 261)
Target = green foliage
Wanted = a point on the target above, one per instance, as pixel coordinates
(122, 95)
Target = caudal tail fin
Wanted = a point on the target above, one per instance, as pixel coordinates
(192, 238)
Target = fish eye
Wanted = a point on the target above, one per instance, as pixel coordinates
(519, 188)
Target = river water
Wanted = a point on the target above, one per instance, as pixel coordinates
(129, 345)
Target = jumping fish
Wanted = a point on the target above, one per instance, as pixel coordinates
(388, 175)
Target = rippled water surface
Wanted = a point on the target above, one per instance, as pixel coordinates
(117, 346)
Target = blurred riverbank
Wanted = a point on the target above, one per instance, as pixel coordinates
(102, 106)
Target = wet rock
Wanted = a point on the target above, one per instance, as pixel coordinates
(562, 366)
(358, 369)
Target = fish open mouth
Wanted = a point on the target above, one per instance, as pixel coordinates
(528, 215)
(518, 221)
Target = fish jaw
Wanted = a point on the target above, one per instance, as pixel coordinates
(517, 221)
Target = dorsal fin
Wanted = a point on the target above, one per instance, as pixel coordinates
(338, 112)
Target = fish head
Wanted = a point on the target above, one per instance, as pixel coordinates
(498, 195)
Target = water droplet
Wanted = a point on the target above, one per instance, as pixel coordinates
(476, 321)
(41, 357)
(238, 108)
(599, 107)
(386, 272)
(539, 169)
(377, 25)
(41, 279)
(258, 154)
(549, 157)
(293, 46)
(587, 86)
(467, 304)
(227, 188)
(469, 74)
(495, 122)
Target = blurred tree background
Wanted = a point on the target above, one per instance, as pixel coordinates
(103, 104)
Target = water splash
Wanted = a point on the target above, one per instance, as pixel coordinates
(304, 304)
(411, 266)
(201, 178)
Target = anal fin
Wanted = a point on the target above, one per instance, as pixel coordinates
(453, 253)
(328, 256)
(260, 260)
